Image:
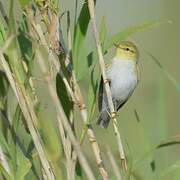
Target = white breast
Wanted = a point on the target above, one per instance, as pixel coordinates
(123, 79)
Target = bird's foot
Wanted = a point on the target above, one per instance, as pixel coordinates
(113, 114)
(107, 81)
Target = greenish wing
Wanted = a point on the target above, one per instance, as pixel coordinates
(100, 97)
(100, 94)
(101, 88)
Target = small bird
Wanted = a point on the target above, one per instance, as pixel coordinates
(123, 76)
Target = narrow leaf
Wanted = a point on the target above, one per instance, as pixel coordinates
(175, 140)
(2, 34)
(13, 51)
(130, 31)
(171, 169)
(63, 95)
(80, 32)
(5, 173)
(93, 85)
(23, 165)
(166, 73)
(171, 141)
(6, 148)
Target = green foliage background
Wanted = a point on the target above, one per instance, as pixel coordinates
(149, 122)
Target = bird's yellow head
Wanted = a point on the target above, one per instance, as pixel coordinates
(126, 50)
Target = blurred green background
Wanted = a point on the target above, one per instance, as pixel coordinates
(156, 99)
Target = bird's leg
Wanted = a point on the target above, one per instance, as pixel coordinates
(113, 114)
(107, 81)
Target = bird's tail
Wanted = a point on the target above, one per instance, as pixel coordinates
(104, 119)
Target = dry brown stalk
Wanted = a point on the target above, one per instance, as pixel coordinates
(29, 114)
(77, 97)
(106, 84)
(62, 119)
(82, 107)
(71, 156)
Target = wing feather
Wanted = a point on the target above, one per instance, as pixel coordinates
(100, 94)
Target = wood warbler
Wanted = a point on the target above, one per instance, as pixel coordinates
(123, 76)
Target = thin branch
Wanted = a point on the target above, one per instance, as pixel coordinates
(106, 84)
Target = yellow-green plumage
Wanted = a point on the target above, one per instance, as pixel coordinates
(123, 77)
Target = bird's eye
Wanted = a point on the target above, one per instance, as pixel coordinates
(127, 49)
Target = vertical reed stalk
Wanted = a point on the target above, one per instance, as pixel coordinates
(106, 84)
